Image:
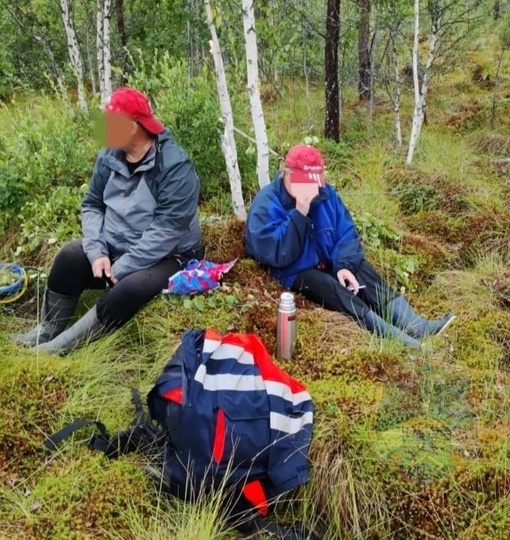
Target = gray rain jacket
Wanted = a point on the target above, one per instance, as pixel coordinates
(139, 219)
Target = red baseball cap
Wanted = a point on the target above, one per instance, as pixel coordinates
(135, 105)
(306, 165)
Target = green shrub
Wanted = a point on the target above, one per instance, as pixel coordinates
(50, 220)
(375, 232)
(44, 146)
(416, 198)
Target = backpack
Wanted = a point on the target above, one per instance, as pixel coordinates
(220, 414)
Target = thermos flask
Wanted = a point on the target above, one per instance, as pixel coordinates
(286, 327)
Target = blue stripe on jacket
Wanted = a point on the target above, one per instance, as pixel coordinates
(281, 238)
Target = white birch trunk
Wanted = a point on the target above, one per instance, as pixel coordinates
(228, 143)
(100, 48)
(257, 112)
(74, 53)
(397, 91)
(107, 54)
(417, 99)
(421, 98)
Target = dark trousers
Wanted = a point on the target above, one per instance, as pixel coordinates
(325, 289)
(71, 274)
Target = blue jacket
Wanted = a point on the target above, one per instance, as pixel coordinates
(281, 238)
(231, 412)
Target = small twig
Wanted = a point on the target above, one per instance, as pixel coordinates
(502, 161)
(251, 139)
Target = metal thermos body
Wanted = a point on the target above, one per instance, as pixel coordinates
(286, 327)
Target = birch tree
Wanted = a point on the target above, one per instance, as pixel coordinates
(257, 112)
(420, 92)
(397, 79)
(228, 142)
(99, 48)
(103, 47)
(38, 34)
(107, 54)
(74, 52)
(451, 22)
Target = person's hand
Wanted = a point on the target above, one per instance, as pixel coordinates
(303, 204)
(347, 279)
(103, 266)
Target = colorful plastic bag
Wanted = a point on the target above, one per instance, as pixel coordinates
(198, 277)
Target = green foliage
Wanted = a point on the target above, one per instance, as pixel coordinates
(7, 277)
(50, 220)
(504, 31)
(404, 267)
(375, 232)
(416, 198)
(45, 147)
(213, 300)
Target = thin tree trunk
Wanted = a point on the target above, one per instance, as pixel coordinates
(397, 91)
(497, 81)
(90, 63)
(257, 112)
(107, 53)
(228, 142)
(371, 93)
(364, 88)
(100, 48)
(189, 37)
(74, 53)
(417, 98)
(121, 29)
(306, 74)
(421, 100)
(17, 14)
(54, 67)
(496, 10)
(332, 124)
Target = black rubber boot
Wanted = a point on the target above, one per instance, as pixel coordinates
(56, 312)
(85, 330)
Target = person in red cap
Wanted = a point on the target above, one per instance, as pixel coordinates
(299, 228)
(140, 226)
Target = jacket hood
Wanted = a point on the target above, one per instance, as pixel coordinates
(164, 137)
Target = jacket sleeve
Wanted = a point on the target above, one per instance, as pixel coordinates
(177, 204)
(92, 213)
(347, 252)
(273, 237)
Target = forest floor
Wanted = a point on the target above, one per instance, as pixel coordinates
(406, 444)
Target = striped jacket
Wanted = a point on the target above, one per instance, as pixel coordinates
(232, 414)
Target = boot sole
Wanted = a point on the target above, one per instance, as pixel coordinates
(446, 326)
